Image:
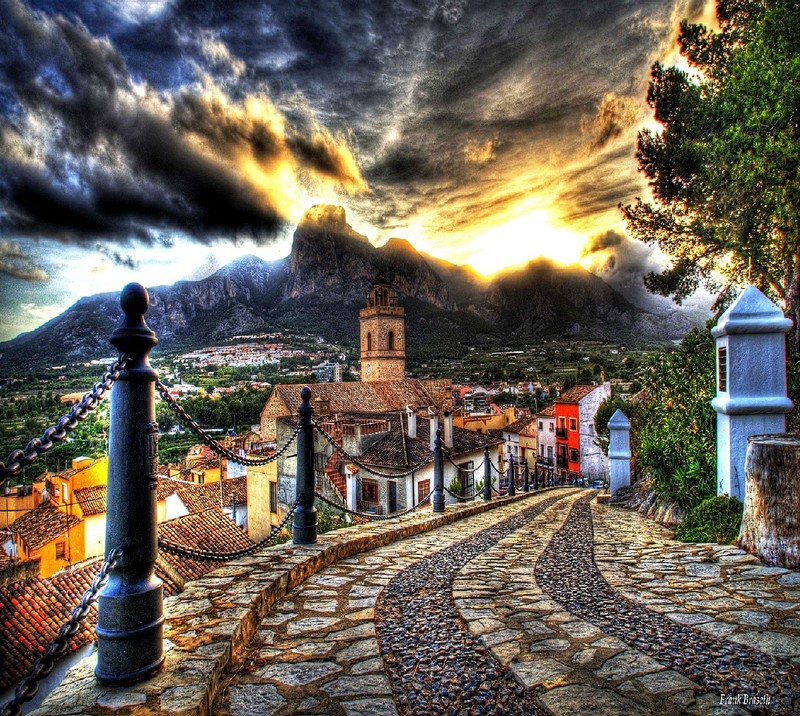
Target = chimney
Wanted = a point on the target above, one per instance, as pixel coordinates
(434, 426)
(412, 421)
(448, 428)
(322, 406)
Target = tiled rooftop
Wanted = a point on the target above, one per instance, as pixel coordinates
(42, 525)
(548, 412)
(575, 394)
(92, 500)
(372, 397)
(32, 612)
(199, 498)
(210, 530)
(518, 425)
(398, 450)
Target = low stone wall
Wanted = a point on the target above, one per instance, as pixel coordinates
(210, 622)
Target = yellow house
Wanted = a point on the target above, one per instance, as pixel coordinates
(496, 419)
(263, 512)
(63, 531)
(51, 535)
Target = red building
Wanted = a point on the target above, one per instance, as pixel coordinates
(568, 437)
(577, 453)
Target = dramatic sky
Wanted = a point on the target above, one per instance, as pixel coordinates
(153, 140)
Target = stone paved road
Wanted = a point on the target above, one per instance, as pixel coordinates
(319, 651)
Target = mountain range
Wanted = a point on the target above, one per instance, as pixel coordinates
(320, 287)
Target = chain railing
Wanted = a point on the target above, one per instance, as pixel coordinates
(209, 556)
(17, 459)
(29, 686)
(369, 516)
(463, 469)
(390, 476)
(208, 440)
(460, 498)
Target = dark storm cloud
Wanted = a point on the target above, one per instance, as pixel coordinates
(90, 152)
(606, 240)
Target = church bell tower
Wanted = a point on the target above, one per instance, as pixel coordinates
(383, 335)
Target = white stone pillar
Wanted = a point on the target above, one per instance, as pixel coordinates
(751, 382)
(619, 451)
(351, 489)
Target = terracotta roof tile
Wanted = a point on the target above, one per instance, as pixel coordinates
(372, 397)
(548, 412)
(92, 500)
(42, 525)
(398, 450)
(210, 530)
(575, 394)
(32, 612)
(518, 425)
(199, 498)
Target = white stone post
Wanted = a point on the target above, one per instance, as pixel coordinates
(751, 382)
(352, 485)
(619, 451)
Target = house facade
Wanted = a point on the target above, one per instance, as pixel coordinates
(388, 444)
(546, 435)
(578, 457)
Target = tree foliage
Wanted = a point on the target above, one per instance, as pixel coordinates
(675, 429)
(724, 168)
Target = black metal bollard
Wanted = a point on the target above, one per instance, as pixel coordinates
(438, 474)
(512, 488)
(536, 469)
(304, 529)
(487, 475)
(130, 617)
(526, 477)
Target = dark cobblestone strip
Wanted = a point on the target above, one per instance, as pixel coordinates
(435, 666)
(567, 572)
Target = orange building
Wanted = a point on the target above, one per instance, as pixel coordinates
(577, 453)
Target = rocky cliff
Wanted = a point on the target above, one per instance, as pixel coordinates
(321, 286)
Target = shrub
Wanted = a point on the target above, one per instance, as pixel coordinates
(674, 432)
(715, 519)
(329, 519)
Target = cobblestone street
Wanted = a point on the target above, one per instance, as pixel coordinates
(554, 604)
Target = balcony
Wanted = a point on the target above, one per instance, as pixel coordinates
(561, 433)
(561, 461)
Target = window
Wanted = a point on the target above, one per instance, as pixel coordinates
(573, 424)
(423, 488)
(391, 340)
(369, 491)
(541, 425)
(574, 455)
(552, 427)
(369, 341)
(561, 431)
(64, 493)
(61, 550)
(722, 368)
(273, 497)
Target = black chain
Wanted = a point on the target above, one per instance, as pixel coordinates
(369, 516)
(181, 551)
(17, 459)
(206, 438)
(463, 469)
(29, 686)
(332, 442)
(460, 498)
